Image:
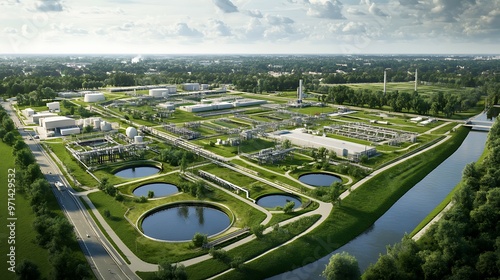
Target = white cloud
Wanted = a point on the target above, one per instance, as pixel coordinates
(278, 20)
(226, 6)
(330, 9)
(253, 13)
(218, 28)
(48, 5)
(183, 29)
(374, 10)
(354, 11)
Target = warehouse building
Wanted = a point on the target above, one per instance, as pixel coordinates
(94, 97)
(56, 123)
(28, 112)
(54, 106)
(191, 86)
(342, 148)
(37, 117)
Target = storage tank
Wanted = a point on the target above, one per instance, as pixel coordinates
(131, 132)
(138, 139)
(94, 97)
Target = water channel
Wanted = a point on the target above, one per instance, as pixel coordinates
(405, 214)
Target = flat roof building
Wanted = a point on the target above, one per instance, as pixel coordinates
(57, 123)
(342, 148)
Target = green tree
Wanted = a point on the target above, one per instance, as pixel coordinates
(258, 230)
(334, 192)
(168, 271)
(27, 270)
(342, 266)
(199, 239)
(151, 194)
(9, 138)
(288, 208)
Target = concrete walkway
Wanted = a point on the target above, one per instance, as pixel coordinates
(434, 220)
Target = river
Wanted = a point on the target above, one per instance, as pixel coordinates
(405, 214)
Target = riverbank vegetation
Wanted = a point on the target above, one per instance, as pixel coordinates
(464, 243)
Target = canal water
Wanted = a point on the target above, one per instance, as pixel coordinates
(405, 214)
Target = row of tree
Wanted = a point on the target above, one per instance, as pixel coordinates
(53, 231)
(448, 104)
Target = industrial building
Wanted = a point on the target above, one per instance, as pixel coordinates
(94, 97)
(342, 148)
(28, 112)
(70, 131)
(69, 94)
(191, 86)
(57, 123)
(37, 117)
(167, 105)
(221, 105)
(53, 106)
(162, 92)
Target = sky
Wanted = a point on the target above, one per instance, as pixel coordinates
(250, 27)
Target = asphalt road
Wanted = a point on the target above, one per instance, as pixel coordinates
(105, 262)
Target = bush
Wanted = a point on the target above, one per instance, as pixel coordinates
(199, 239)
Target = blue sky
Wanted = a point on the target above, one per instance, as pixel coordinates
(250, 26)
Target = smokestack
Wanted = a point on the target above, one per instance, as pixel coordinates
(299, 92)
(385, 80)
(416, 79)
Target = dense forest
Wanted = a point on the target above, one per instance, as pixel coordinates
(465, 243)
(36, 78)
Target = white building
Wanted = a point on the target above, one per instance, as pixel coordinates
(37, 117)
(204, 86)
(342, 148)
(54, 106)
(70, 131)
(56, 123)
(167, 105)
(28, 112)
(191, 86)
(94, 97)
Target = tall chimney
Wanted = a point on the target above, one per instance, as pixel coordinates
(416, 79)
(385, 80)
(299, 93)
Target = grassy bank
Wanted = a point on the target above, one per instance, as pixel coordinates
(357, 213)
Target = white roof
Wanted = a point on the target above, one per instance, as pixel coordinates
(58, 118)
(300, 138)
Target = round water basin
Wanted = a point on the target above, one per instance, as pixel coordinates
(138, 171)
(180, 222)
(275, 200)
(159, 189)
(319, 179)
